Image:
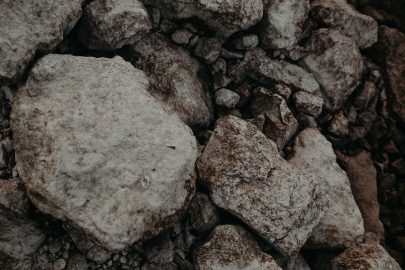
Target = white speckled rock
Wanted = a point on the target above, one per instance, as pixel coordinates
(224, 16)
(336, 64)
(308, 103)
(283, 22)
(365, 256)
(28, 26)
(95, 149)
(230, 247)
(227, 98)
(111, 24)
(342, 224)
(247, 177)
(176, 79)
(340, 15)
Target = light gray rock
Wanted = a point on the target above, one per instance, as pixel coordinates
(267, 71)
(308, 103)
(59, 264)
(208, 49)
(19, 239)
(224, 16)
(245, 42)
(247, 177)
(283, 23)
(336, 64)
(280, 125)
(203, 214)
(342, 224)
(13, 196)
(29, 26)
(93, 147)
(176, 79)
(231, 247)
(339, 14)
(182, 36)
(227, 98)
(365, 256)
(112, 24)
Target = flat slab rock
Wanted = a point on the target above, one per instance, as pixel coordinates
(176, 79)
(342, 224)
(231, 247)
(29, 26)
(365, 256)
(95, 149)
(247, 177)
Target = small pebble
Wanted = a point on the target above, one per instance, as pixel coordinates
(59, 264)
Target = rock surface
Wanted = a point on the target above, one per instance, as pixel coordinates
(176, 79)
(342, 224)
(202, 213)
(224, 16)
(13, 196)
(365, 256)
(111, 24)
(227, 98)
(308, 103)
(30, 26)
(336, 63)
(87, 159)
(247, 177)
(231, 247)
(340, 15)
(283, 23)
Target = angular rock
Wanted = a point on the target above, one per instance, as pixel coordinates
(13, 196)
(283, 23)
(88, 159)
(202, 213)
(224, 16)
(19, 239)
(30, 26)
(342, 224)
(365, 256)
(280, 125)
(253, 182)
(227, 98)
(208, 49)
(340, 15)
(363, 181)
(176, 79)
(308, 103)
(231, 247)
(112, 24)
(391, 50)
(267, 71)
(182, 36)
(336, 64)
(245, 42)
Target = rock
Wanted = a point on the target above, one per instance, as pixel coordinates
(203, 214)
(160, 249)
(340, 15)
(59, 264)
(28, 27)
(336, 64)
(226, 98)
(255, 184)
(224, 16)
(308, 103)
(245, 42)
(13, 196)
(283, 91)
(267, 71)
(76, 261)
(300, 264)
(19, 239)
(365, 256)
(280, 125)
(231, 247)
(54, 247)
(367, 94)
(283, 23)
(339, 125)
(88, 160)
(182, 37)
(112, 24)
(208, 49)
(219, 77)
(342, 224)
(363, 181)
(391, 50)
(176, 79)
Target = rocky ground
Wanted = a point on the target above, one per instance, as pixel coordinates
(202, 134)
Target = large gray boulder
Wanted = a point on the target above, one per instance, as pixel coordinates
(336, 64)
(224, 16)
(111, 24)
(343, 16)
(283, 23)
(96, 150)
(231, 247)
(247, 177)
(30, 26)
(177, 80)
(342, 224)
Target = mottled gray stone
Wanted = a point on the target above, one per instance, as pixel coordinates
(308, 103)
(227, 98)
(203, 214)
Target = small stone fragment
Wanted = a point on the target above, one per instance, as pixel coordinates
(202, 213)
(76, 261)
(208, 49)
(160, 249)
(308, 103)
(13, 196)
(182, 36)
(226, 98)
(245, 42)
(59, 264)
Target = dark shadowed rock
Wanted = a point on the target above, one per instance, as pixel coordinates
(203, 214)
